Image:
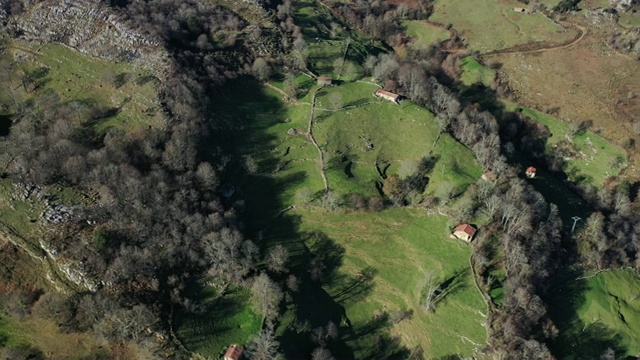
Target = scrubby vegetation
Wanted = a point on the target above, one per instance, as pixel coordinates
(237, 199)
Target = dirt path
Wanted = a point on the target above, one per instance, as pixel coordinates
(543, 46)
(313, 140)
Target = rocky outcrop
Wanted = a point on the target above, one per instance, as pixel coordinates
(93, 29)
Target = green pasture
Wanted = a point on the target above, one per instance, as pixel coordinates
(424, 34)
(596, 313)
(331, 49)
(473, 72)
(491, 25)
(380, 259)
(127, 95)
(225, 320)
(589, 158)
(400, 247)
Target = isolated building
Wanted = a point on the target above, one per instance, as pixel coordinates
(488, 176)
(233, 353)
(323, 80)
(521, 10)
(531, 172)
(464, 232)
(387, 95)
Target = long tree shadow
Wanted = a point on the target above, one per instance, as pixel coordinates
(576, 339)
(450, 286)
(246, 128)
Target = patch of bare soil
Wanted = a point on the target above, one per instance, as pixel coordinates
(584, 80)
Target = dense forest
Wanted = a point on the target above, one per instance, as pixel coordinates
(159, 219)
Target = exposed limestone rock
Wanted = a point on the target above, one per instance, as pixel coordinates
(78, 276)
(92, 29)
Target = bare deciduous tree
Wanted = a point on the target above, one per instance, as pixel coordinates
(267, 296)
(264, 346)
(277, 258)
(261, 69)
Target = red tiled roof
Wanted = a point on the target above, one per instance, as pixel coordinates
(387, 94)
(531, 169)
(233, 352)
(466, 228)
(488, 175)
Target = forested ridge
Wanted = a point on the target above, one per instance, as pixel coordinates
(159, 219)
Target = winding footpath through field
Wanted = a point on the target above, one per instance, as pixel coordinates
(315, 143)
(532, 47)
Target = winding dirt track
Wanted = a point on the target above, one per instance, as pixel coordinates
(531, 48)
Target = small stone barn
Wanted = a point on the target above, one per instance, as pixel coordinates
(521, 10)
(233, 353)
(387, 95)
(464, 232)
(323, 80)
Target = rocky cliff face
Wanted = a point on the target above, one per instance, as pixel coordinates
(92, 29)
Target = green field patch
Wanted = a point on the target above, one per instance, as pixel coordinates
(380, 132)
(491, 25)
(424, 34)
(126, 96)
(473, 73)
(400, 248)
(598, 312)
(330, 49)
(589, 158)
(225, 320)
(629, 19)
(375, 263)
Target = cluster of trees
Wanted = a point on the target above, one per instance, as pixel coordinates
(158, 220)
(383, 20)
(611, 236)
(566, 6)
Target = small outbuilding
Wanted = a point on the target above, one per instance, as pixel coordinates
(531, 172)
(323, 80)
(488, 176)
(464, 232)
(387, 95)
(521, 10)
(233, 353)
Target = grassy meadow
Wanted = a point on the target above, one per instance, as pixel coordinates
(226, 320)
(492, 25)
(128, 95)
(424, 34)
(376, 262)
(597, 312)
(473, 72)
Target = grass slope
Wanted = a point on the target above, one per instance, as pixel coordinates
(226, 320)
(490, 25)
(597, 313)
(589, 159)
(375, 262)
(400, 247)
(424, 34)
(613, 301)
(473, 72)
(129, 94)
